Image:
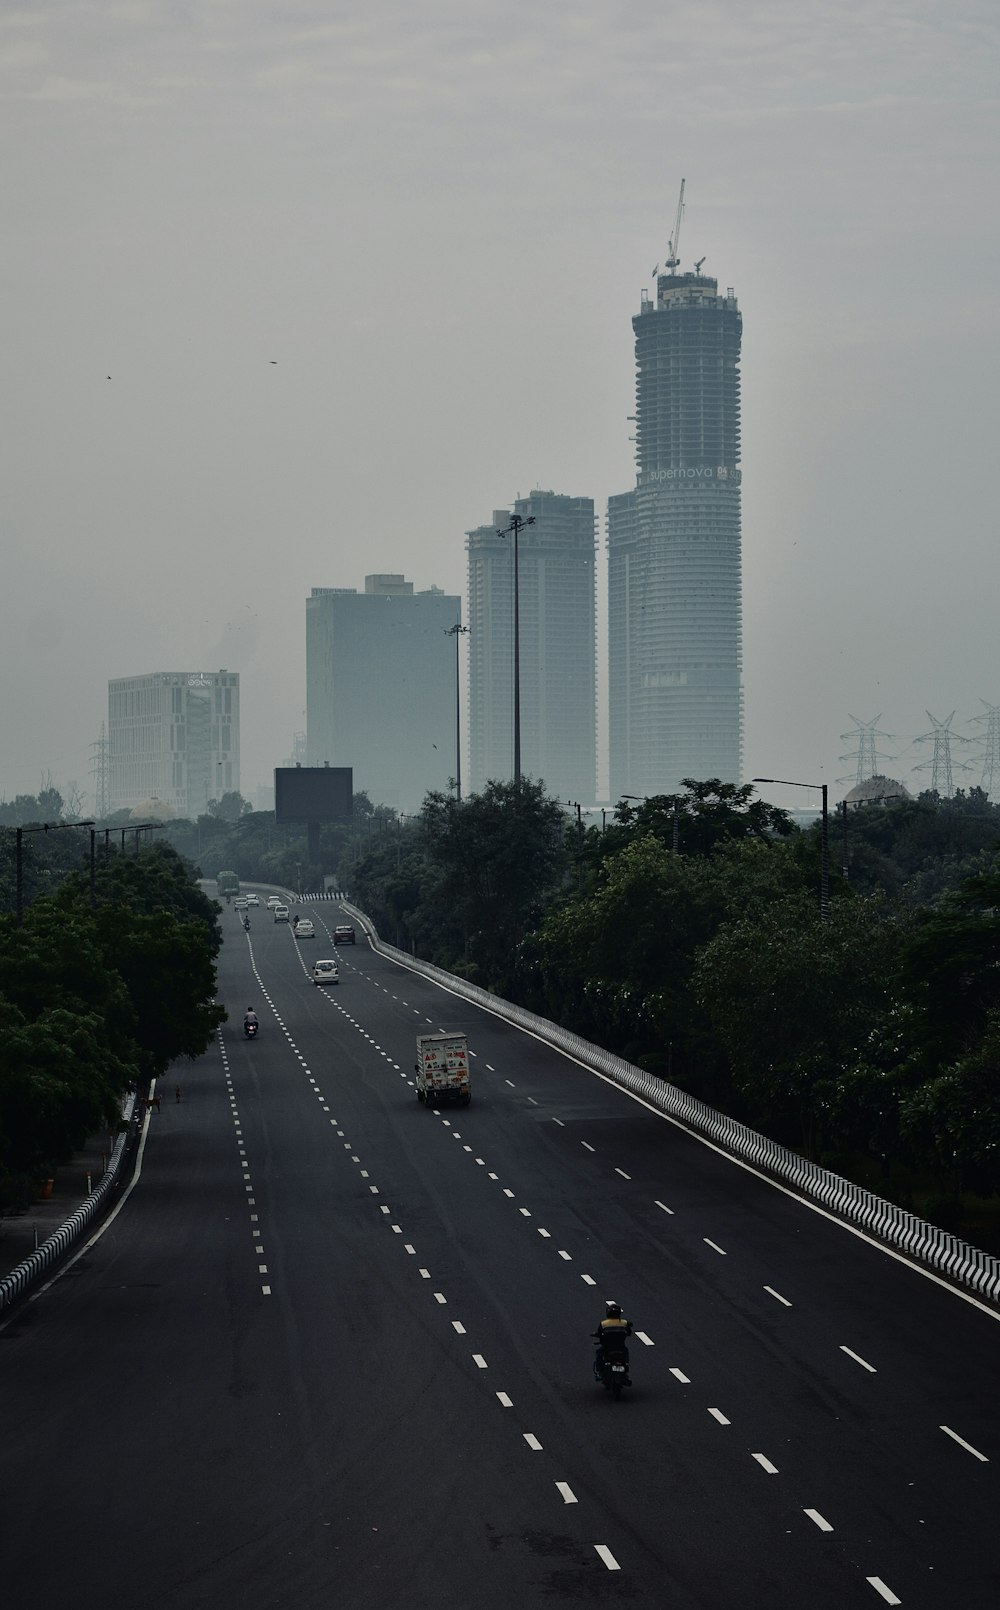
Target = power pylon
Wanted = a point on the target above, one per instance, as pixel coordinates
(991, 759)
(941, 764)
(866, 755)
(100, 770)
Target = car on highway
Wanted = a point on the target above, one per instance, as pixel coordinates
(326, 972)
(304, 929)
(343, 934)
(279, 913)
(240, 904)
(273, 900)
(253, 899)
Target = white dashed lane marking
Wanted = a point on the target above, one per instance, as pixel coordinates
(817, 1520)
(859, 1360)
(880, 1588)
(963, 1444)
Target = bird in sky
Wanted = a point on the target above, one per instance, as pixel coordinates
(274, 361)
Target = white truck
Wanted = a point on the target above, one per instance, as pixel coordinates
(443, 1069)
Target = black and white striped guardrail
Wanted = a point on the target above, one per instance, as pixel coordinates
(26, 1273)
(956, 1259)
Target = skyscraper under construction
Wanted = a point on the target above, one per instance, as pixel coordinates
(674, 566)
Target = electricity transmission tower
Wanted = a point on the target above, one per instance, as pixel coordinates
(941, 764)
(866, 756)
(991, 759)
(100, 770)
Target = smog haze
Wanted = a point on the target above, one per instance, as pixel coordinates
(299, 293)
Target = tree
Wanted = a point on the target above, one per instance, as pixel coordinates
(952, 968)
(497, 856)
(67, 1051)
(617, 964)
(230, 807)
(706, 815)
(800, 1006)
(58, 1080)
(954, 1118)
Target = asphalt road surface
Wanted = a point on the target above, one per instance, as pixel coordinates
(334, 1348)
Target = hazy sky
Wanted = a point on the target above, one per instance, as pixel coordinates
(437, 219)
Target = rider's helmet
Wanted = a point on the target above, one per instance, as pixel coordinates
(614, 1310)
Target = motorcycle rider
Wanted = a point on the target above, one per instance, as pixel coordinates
(250, 1020)
(246, 922)
(611, 1334)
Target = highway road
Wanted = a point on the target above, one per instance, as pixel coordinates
(335, 1343)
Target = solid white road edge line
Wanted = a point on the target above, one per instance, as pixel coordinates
(720, 1151)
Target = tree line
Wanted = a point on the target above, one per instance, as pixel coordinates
(688, 937)
(101, 988)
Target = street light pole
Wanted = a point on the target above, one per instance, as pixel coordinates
(456, 632)
(517, 523)
(824, 841)
(46, 827)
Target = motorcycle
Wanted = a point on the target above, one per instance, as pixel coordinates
(250, 1031)
(611, 1370)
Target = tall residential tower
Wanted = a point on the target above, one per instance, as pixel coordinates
(674, 561)
(558, 646)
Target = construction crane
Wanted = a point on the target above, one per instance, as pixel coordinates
(697, 266)
(675, 240)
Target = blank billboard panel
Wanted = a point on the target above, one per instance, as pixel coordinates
(313, 793)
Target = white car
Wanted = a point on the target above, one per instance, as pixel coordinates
(280, 913)
(326, 972)
(304, 929)
(273, 900)
(253, 900)
(239, 904)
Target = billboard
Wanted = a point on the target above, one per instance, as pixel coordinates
(313, 793)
